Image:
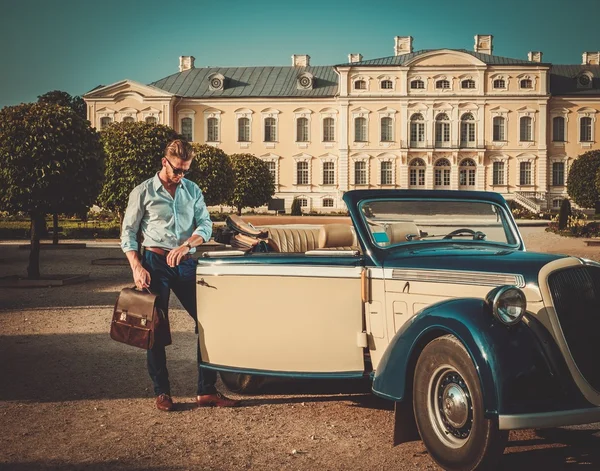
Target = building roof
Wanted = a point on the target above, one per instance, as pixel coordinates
(251, 82)
(563, 79)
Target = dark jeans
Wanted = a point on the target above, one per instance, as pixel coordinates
(182, 280)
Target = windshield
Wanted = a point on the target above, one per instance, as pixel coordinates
(402, 221)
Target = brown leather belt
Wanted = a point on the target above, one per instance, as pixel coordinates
(164, 252)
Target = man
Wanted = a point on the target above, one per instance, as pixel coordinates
(174, 220)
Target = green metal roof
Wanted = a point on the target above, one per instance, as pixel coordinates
(563, 80)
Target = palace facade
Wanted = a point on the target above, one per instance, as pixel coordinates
(441, 118)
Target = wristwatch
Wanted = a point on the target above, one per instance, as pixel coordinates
(188, 245)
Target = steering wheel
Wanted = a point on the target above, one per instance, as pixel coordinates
(477, 235)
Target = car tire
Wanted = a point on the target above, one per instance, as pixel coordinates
(449, 410)
(242, 383)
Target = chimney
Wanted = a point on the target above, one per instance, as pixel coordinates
(591, 58)
(483, 43)
(352, 58)
(300, 60)
(186, 63)
(403, 45)
(534, 56)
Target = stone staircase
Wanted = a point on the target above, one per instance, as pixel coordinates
(531, 200)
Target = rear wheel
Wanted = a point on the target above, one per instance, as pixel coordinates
(242, 383)
(449, 411)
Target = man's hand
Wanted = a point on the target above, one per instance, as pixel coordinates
(141, 277)
(175, 256)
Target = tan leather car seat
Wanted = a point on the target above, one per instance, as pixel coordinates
(290, 239)
(341, 236)
(398, 231)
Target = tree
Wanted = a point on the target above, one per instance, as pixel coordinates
(50, 161)
(296, 208)
(133, 154)
(61, 98)
(564, 214)
(582, 184)
(254, 185)
(213, 173)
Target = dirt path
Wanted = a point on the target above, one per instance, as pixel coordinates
(72, 399)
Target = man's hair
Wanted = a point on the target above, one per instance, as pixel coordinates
(180, 149)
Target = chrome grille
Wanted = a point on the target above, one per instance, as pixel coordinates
(459, 277)
(576, 296)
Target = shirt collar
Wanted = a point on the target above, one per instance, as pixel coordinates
(156, 183)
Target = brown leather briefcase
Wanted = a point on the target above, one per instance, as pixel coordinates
(138, 320)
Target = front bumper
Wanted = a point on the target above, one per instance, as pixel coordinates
(549, 419)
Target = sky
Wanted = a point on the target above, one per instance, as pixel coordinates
(76, 45)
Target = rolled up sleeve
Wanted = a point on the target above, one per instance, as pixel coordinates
(131, 221)
(202, 218)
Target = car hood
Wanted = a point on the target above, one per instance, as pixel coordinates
(469, 258)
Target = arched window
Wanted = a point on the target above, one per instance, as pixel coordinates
(328, 130)
(302, 173)
(360, 129)
(442, 84)
(417, 173)
(302, 130)
(442, 130)
(585, 129)
(151, 120)
(558, 129)
(499, 83)
(386, 129)
(244, 130)
(442, 173)
(467, 173)
(525, 129)
(417, 130)
(186, 129)
(328, 173)
(468, 84)
(360, 172)
(360, 85)
(129, 119)
(212, 130)
(417, 84)
(467, 130)
(270, 130)
(525, 173)
(499, 125)
(498, 173)
(386, 175)
(526, 83)
(328, 202)
(387, 84)
(104, 122)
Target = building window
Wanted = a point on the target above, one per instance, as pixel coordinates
(212, 130)
(467, 130)
(151, 120)
(104, 122)
(525, 173)
(272, 169)
(360, 129)
(556, 203)
(128, 119)
(558, 173)
(302, 130)
(417, 130)
(442, 173)
(499, 129)
(442, 84)
(526, 83)
(328, 202)
(525, 129)
(468, 84)
(558, 129)
(467, 173)
(442, 130)
(186, 129)
(417, 173)
(386, 173)
(360, 172)
(270, 130)
(387, 84)
(360, 85)
(499, 83)
(328, 130)
(386, 129)
(303, 202)
(301, 173)
(498, 173)
(585, 129)
(328, 173)
(417, 84)
(244, 130)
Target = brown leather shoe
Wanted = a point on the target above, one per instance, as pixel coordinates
(215, 400)
(164, 403)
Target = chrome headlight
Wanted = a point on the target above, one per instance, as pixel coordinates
(508, 304)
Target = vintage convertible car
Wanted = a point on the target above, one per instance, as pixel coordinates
(433, 294)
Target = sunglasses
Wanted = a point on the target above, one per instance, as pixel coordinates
(176, 170)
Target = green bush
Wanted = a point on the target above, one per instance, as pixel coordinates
(296, 208)
(563, 215)
(583, 183)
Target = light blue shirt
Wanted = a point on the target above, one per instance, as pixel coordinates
(166, 221)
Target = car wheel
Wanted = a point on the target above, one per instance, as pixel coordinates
(449, 411)
(241, 383)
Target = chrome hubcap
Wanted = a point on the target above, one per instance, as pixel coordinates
(455, 405)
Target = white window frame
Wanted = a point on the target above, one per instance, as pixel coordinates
(445, 126)
(324, 198)
(270, 114)
(558, 160)
(212, 114)
(391, 114)
(386, 159)
(328, 159)
(104, 113)
(366, 160)
(303, 114)
(187, 113)
(239, 114)
(501, 160)
(446, 168)
(586, 113)
(467, 143)
(527, 113)
(468, 79)
(303, 158)
(270, 158)
(422, 172)
(500, 113)
(360, 113)
(420, 130)
(416, 80)
(324, 114)
(443, 79)
(564, 128)
(151, 113)
(495, 77)
(470, 176)
(360, 78)
(526, 159)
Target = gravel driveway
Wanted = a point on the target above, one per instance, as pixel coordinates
(72, 399)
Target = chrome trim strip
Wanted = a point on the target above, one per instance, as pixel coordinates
(549, 419)
(332, 253)
(223, 253)
(458, 277)
(279, 270)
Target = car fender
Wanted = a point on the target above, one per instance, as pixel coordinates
(514, 372)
